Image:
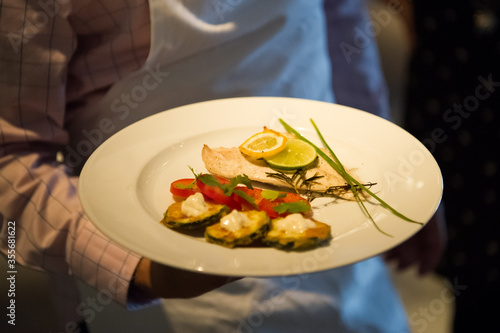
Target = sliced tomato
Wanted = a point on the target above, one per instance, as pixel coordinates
(184, 187)
(254, 194)
(251, 199)
(217, 194)
(269, 206)
(292, 197)
(264, 204)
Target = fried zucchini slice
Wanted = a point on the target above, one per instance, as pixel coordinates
(175, 218)
(290, 238)
(255, 227)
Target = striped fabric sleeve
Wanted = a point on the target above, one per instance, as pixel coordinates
(38, 42)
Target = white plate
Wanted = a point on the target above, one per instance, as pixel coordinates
(124, 186)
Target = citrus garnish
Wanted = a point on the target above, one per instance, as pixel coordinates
(297, 154)
(264, 144)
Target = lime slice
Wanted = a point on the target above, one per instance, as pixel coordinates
(264, 144)
(297, 154)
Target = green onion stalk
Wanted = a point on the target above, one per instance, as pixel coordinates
(351, 181)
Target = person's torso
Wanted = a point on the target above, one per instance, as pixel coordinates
(204, 50)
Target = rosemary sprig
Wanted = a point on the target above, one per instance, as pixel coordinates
(346, 187)
(302, 185)
(297, 180)
(354, 184)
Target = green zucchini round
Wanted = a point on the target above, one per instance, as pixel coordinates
(310, 238)
(174, 218)
(245, 236)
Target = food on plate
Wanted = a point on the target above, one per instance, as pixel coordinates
(193, 212)
(246, 211)
(236, 215)
(230, 162)
(296, 232)
(238, 193)
(232, 211)
(238, 228)
(297, 154)
(264, 144)
(183, 188)
(219, 189)
(274, 203)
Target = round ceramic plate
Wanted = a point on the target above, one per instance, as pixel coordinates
(124, 186)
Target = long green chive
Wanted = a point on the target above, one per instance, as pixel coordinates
(351, 181)
(364, 188)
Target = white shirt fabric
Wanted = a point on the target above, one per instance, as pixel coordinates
(203, 50)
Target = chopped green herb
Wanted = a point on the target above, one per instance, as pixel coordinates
(185, 186)
(272, 195)
(292, 207)
(211, 180)
(248, 198)
(241, 179)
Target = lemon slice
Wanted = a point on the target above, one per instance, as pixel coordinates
(264, 144)
(297, 154)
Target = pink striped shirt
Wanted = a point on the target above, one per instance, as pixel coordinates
(56, 55)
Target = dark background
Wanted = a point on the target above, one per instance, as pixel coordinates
(454, 91)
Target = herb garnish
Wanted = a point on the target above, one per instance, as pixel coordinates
(338, 190)
(297, 180)
(231, 188)
(186, 186)
(354, 184)
(248, 198)
(272, 195)
(285, 207)
(227, 189)
(292, 207)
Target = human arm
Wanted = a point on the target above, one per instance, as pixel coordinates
(160, 281)
(52, 232)
(45, 67)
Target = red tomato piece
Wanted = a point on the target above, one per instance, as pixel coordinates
(266, 205)
(182, 188)
(290, 197)
(245, 204)
(216, 194)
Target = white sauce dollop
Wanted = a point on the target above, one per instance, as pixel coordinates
(194, 205)
(294, 223)
(234, 221)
